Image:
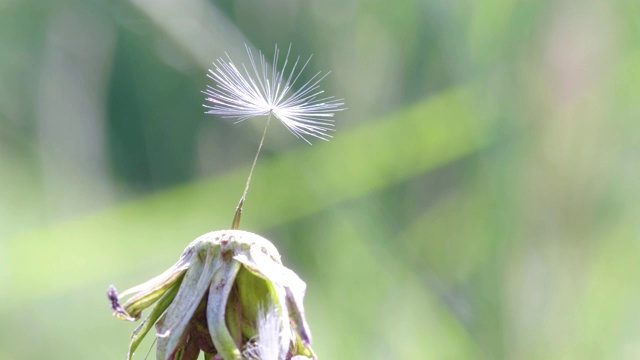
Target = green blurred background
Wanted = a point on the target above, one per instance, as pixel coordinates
(479, 199)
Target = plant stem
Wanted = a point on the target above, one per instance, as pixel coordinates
(236, 218)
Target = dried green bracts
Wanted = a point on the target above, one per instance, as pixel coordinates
(228, 296)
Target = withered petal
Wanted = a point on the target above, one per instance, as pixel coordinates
(219, 292)
(178, 315)
(150, 291)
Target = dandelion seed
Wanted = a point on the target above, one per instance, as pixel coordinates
(264, 90)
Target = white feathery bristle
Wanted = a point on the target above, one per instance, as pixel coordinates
(243, 94)
(268, 343)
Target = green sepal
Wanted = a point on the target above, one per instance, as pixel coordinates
(141, 331)
(253, 292)
(263, 267)
(299, 348)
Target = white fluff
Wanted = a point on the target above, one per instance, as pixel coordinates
(240, 96)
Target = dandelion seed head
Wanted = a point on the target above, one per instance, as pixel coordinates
(243, 92)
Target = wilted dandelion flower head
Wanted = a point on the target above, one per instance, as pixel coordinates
(263, 89)
(228, 296)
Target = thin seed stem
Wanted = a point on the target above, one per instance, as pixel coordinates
(236, 218)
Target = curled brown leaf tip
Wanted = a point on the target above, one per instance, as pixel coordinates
(112, 294)
(118, 311)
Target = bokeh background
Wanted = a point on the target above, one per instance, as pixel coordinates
(479, 199)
